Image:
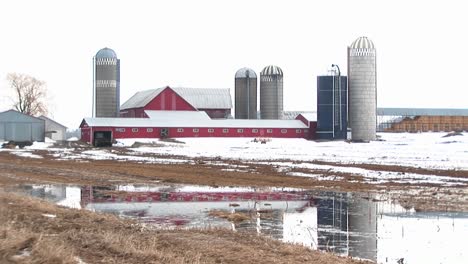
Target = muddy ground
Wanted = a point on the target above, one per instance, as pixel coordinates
(40, 232)
(204, 171)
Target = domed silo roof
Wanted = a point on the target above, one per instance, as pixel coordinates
(246, 73)
(362, 43)
(106, 53)
(272, 70)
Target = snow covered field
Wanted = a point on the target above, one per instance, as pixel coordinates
(426, 150)
(293, 156)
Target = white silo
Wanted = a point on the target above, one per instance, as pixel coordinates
(271, 93)
(362, 89)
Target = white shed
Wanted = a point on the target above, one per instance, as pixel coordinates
(19, 127)
(54, 130)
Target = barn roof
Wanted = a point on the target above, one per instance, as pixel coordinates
(200, 98)
(189, 119)
(311, 117)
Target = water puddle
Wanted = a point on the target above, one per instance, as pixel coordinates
(345, 223)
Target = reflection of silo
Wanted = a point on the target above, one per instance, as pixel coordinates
(362, 85)
(246, 94)
(332, 116)
(362, 222)
(271, 92)
(106, 101)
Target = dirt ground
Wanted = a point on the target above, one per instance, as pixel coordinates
(34, 231)
(15, 170)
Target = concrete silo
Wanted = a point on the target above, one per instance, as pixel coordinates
(106, 90)
(362, 87)
(246, 94)
(271, 92)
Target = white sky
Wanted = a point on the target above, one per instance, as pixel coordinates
(422, 46)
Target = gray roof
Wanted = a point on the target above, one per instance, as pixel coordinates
(362, 43)
(421, 112)
(246, 73)
(200, 98)
(52, 121)
(272, 70)
(106, 53)
(15, 116)
(287, 115)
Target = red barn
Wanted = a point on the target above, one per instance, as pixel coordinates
(177, 124)
(215, 102)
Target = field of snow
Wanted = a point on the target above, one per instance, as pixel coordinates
(295, 157)
(426, 150)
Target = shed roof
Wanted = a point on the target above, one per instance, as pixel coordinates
(45, 118)
(200, 98)
(181, 119)
(15, 116)
(421, 112)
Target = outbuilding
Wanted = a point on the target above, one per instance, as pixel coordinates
(19, 127)
(179, 124)
(54, 130)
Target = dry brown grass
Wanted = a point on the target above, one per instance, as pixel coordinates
(236, 217)
(102, 238)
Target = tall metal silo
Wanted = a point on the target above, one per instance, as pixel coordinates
(271, 92)
(246, 94)
(362, 85)
(332, 106)
(106, 84)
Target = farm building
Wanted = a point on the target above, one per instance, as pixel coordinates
(177, 124)
(54, 130)
(19, 127)
(215, 102)
(421, 119)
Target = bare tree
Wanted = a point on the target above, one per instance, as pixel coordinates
(30, 94)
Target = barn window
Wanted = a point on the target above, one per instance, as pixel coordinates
(269, 131)
(149, 130)
(120, 130)
(284, 131)
(240, 130)
(298, 131)
(180, 130)
(210, 130)
(195, 130)
(225, 130)
(254, 130)
(134, 130)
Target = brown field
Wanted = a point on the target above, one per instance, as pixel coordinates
(34, 231)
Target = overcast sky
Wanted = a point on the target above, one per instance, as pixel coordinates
(422, 46)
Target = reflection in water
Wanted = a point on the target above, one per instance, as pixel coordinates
(344, 223)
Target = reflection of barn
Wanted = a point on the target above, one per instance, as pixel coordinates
(421, 120)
